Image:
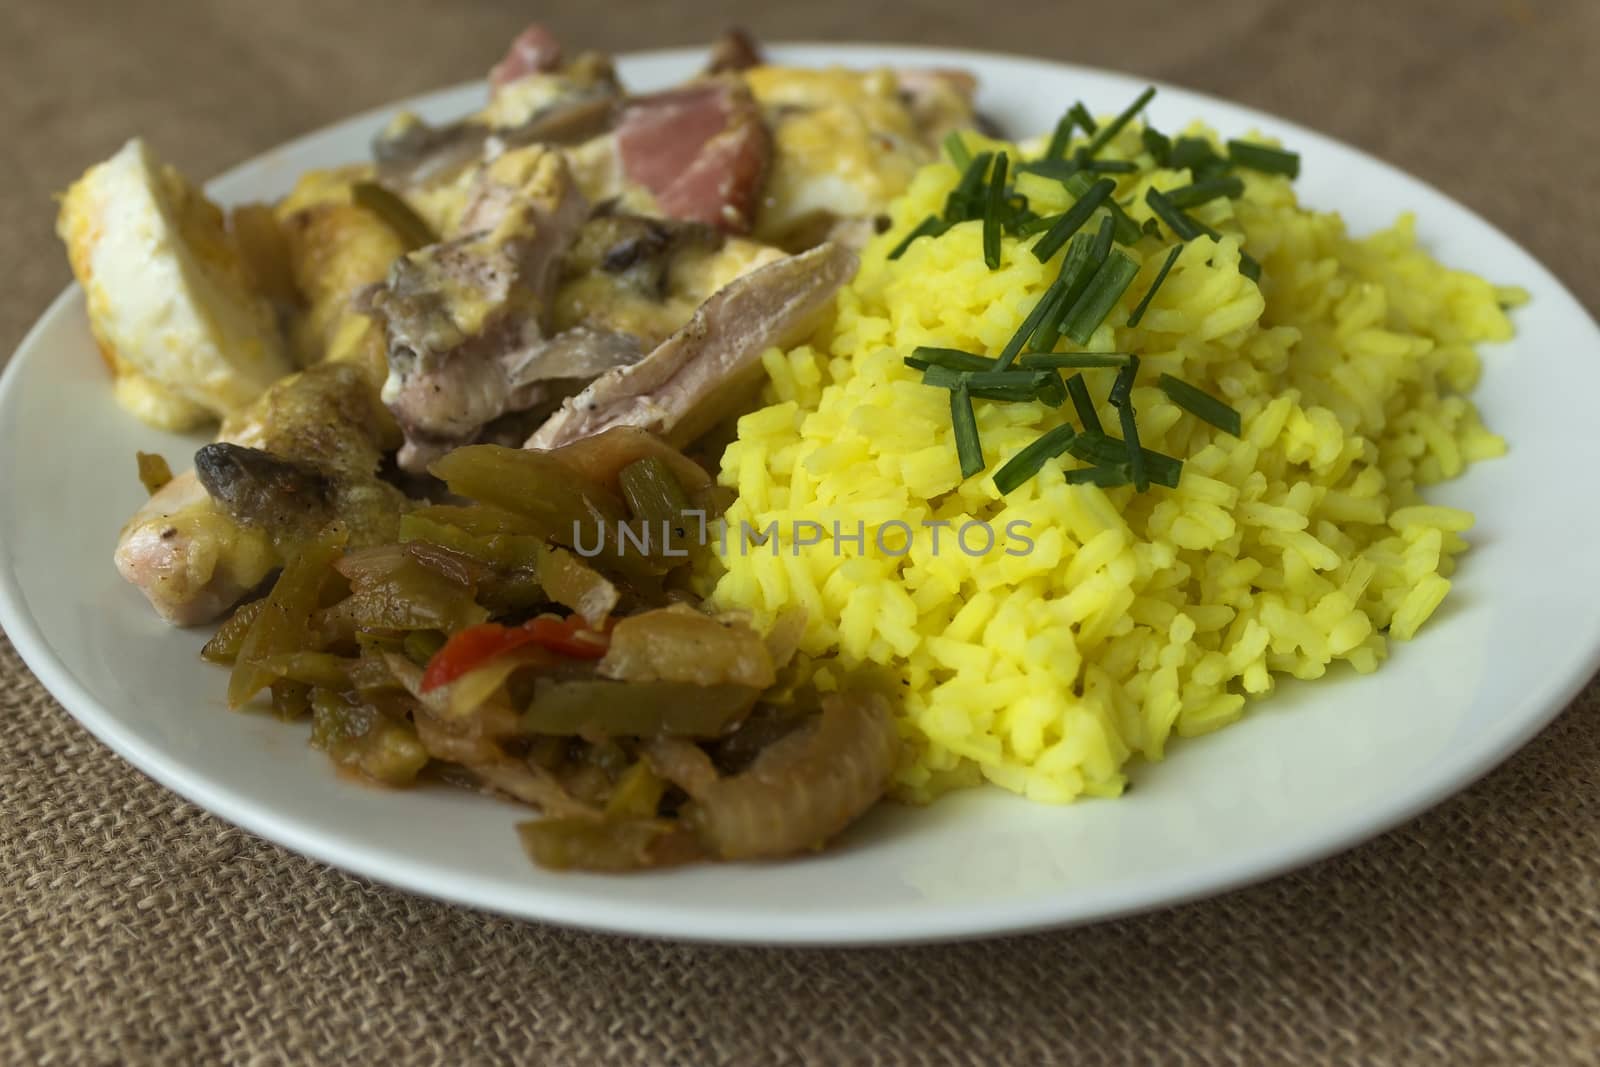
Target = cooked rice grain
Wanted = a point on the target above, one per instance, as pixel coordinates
(1134, 616)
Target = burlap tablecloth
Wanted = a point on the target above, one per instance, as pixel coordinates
(135, 928)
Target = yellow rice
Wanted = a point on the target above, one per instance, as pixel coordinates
(1136, 615)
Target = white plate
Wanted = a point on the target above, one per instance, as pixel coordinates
(1313, 769)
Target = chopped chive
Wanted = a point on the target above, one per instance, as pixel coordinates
(954, 358)
(958, 206)
(1264, 158)
(1060, 138)
(991, 213)
(1197, 193)
(1081, 116)
(1106, 477)
(1058, 169)
(969, 450)
(1083, 404)
(1102, 450)
(1077, 267)
(1158, 144)
(1102, 240)
(928, 227)
(1130, 437)
(1037, 224)
(1074, 360)
(1114, 127)
(1122, 399)
(1200, 404)
(1044, 337)
(1026, 463)
(1185, 226)
(1187, 153)
(1149, 294)
(956, 149)
(1050, 389)
(1013, 347)
(1072, 219)
(1127, 231)
(1110, 166)
(1110, 281)
(1122, 389)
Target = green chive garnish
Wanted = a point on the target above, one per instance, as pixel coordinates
(1102, 239)
(1110, 281)
(959, 205)
(1050, 390)
(953, 358)
(1185, 226)
(1158, 144)
(1074, 360)
(1026, 463)
(956, 149)
(1102, 450)
(1264, 158)
(1037, 224)
(1060, 138)
(1072, 219)
(969, 450)
(991, 213)
(928, 227)
(1191, 153)
(1077, 267)
(1083, 404)
(1149, 294)
(1013, 348)
(1122, 399)
(1108, 477)
(1013, 387)
(1200, 404)
(1058, 169)
(1081, 116)
(1198, 193)
(1114, 127)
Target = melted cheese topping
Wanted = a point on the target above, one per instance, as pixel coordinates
(845, 145)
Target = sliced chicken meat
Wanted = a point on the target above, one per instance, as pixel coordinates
(465, 319)
(703, 371)
(305, 453)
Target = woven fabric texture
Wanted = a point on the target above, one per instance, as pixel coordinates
(137, 929)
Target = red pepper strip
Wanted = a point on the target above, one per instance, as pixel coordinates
(476, 645)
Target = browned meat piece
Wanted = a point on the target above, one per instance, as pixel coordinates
(702, 151)
(465, 319)
(698, 375)
(308, 450)
(735, 50)
(536, 98)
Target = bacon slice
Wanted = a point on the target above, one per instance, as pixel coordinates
(701, 150)
(534, 51)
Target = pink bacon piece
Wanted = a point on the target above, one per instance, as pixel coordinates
(534, 51)
(701, 150)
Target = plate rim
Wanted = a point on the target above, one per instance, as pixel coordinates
(948, 922)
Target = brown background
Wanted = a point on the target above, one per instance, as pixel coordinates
(136, 929)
